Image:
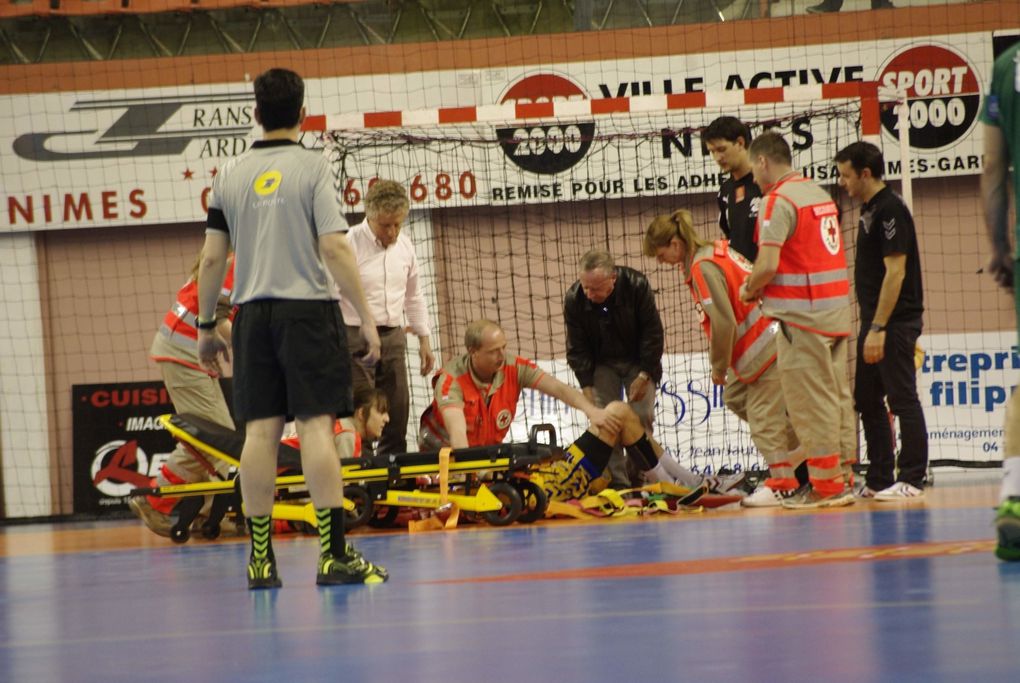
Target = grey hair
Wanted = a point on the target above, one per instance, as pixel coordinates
(598, 259)
(385, 197)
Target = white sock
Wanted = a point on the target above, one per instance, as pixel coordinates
(658, 474)
(1010, 477)
(669, 469)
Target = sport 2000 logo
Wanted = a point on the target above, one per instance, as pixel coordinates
(943, 94)
(545, 149)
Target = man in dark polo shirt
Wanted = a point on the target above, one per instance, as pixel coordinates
(889, 293)
(727, 139)
(276, 206)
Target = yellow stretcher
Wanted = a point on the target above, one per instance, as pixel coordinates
(375, 487)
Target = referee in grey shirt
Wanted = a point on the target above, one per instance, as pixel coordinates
(276, 206)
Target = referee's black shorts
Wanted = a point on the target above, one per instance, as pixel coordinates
(290, 358)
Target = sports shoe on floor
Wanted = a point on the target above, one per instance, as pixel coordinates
(809, 499)
(821, 9)
(563, 479)
(865, 492)
(352, 567)
(763, 497)
(1007, 525)
(262, 573)
(157, 522)
(726, 483)
(900, 491)
(766, 497)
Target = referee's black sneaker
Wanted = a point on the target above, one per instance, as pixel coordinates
(262, 573)
(351, 567)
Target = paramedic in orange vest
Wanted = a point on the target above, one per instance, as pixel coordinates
(801, 277)
(742, 345)
(192, 390)
(475, 401)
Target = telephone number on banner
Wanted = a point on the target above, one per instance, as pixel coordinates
(442, 187)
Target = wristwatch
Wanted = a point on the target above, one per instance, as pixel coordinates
(875, 327)
(205, 324)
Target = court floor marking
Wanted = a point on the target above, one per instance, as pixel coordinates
(740, 563)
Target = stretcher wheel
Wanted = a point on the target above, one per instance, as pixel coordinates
(534, 501)
(512, 505)
(211, 530)
(180, 533)
(362, 507)
(384, 516)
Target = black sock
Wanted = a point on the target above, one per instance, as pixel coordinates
(643, 454)
(331, 531)
(594, 452)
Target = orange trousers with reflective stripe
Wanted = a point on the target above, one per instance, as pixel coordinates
(813, 373)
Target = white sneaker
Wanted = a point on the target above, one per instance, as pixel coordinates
(763, 497)
(900, 491)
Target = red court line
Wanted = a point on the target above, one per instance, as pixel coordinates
(740, 564)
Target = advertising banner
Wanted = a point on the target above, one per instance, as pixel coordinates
(148, 156)
(963, 385)
(119, 444)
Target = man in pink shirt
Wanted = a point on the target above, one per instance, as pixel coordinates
(389, 274)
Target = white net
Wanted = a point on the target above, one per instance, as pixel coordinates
(502, 212)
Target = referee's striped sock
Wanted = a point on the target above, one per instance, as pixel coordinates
(331, 531)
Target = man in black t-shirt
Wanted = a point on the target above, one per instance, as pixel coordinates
(727, 140)
(888, 282)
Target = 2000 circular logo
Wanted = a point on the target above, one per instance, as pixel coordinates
(943, 95)
(545, 148)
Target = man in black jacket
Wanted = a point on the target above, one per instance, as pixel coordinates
(614, 341)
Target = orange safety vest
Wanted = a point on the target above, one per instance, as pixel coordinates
(812, 274)
(755, 330)
(179, 323)
(488, 420)
(338, 428)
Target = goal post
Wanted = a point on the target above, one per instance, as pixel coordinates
(506, 198)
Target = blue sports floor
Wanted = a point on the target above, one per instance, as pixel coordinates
(892, 593)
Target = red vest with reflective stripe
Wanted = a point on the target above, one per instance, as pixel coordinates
(338, 428)
(179, 323)
(812, 274)
(487, 423)
(754, 329)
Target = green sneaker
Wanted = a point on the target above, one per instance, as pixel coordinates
(1007, 524)
(262, 574)
(352, 567)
